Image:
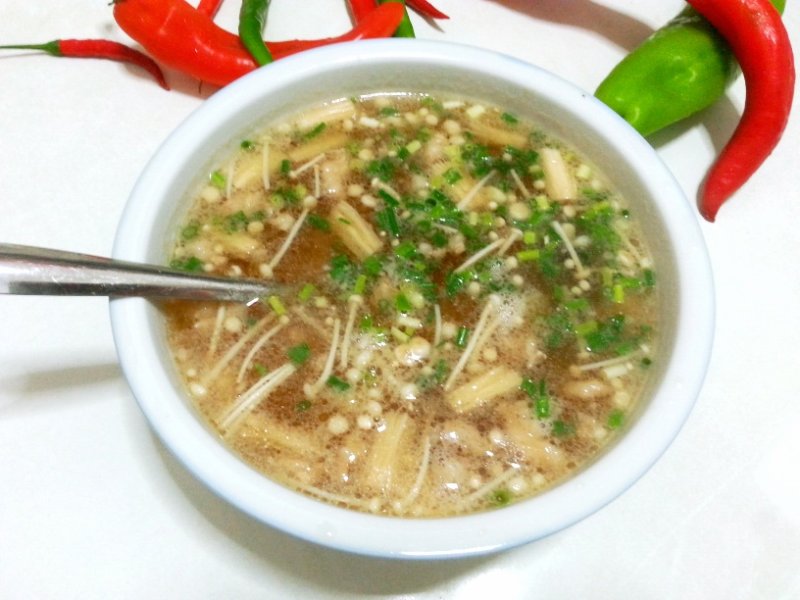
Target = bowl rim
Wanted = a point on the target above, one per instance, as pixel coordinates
(393, 537)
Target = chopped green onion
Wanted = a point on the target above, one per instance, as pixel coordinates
(388, 198)
(452, 176)
(318, 222)
(584, 329)
(315, 131)
(260, 369)
(305, 293)
(403, 304)
(372, 266)
(338, 384)
(413, 146)
(563, 429)
(539, 397)
(361, 284)
(286, 166)
(509, 118)
(218, 180)
(527, 255)
(190, 231)
(615, 419)
(366, 323)
(455, 282)
(387, 219)
(407, 250)
(529, 238)
(247, 145)
(191, 264)
(299, 354)
(462, 336)
(649, 278)
(276, 305)
(542, 407)
(500, 497)
(618, 293)
(302, 406)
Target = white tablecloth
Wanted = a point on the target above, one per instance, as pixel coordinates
(92, 506)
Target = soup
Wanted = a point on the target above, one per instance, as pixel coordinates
(470, 311)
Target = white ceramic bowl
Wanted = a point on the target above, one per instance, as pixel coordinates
(685, 283)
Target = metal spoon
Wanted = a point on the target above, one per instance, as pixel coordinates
(29, 270)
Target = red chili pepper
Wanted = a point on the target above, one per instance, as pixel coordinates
(427, 9)
(209, 7)
(758, 38)
(105, 49)
(361, 8)
(181, 37)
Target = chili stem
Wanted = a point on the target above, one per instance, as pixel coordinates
(252, 20)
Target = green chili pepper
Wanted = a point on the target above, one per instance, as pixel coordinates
(681, 69)
(405, 29)
(252, 19)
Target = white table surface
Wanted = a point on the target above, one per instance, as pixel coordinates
(92, 505)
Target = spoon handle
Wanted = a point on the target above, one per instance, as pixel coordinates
(29, 270)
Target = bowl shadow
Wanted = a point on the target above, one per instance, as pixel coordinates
(320, 567)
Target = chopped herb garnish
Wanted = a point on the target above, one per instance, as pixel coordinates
(615, 419)
(403, 304)
(438, 377)
(462, 336)
(260, 369)
(500, 497)
(528, 255)
(360, 285)
(318, 222)
(276, 305)
(509, 118)
(342, 268)
(286, 166)
(302, 406)
(560, 330)
(452, 176)
(306, 292)
(191, 264)
(384, 169)
(218, 180)
(563, 429)
(598, 224)
(236, 222)
(387, 220)
(338, 384)
(455, 282)
(190, 231)
(247, 145)
(315, 131)
(372, 265)
(299, 354)
(605, 335)
(540, 400)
